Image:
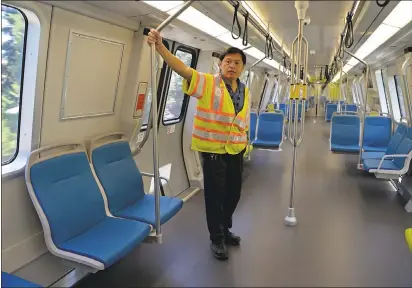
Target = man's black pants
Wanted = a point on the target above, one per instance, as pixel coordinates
(222, 185)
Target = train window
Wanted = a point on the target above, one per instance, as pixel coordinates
(381, 91)
(401, 99)
(13, 42)
(244, 76)
(174, 111)
(148, 104)
(394, 99)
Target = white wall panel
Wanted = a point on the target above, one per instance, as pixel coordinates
(54, 129)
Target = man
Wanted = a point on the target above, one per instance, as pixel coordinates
(219, 133)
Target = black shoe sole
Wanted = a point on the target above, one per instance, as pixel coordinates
(220, 257)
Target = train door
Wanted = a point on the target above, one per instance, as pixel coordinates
(172, 113)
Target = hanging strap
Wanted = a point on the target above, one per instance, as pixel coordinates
(245, 33)
(235, 19)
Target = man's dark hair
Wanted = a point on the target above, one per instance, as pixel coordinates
(233, 50)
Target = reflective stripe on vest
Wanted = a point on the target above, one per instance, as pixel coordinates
(214, 117)
(217, 137)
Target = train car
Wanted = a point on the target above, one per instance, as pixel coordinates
(206, 143)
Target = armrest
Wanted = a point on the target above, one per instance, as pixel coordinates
(151, 175)
(391, 156)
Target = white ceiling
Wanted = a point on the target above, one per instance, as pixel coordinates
(327, 22)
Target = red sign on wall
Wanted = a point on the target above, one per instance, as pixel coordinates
(140, 100)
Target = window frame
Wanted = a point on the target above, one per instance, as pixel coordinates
(35, 74)
(23, 66)
(402, 108)
(168, 122)
(160, 87)
(380, 81)
(395, 108)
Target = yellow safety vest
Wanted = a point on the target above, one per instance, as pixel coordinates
(217, 128)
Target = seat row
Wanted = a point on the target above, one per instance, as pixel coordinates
(345, 133)
(331, 108)
(91, 202)
(395, 160)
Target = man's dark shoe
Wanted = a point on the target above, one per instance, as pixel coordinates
(219, 250)
(232, 239)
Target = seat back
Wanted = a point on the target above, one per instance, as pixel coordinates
(253, 123)
(330, 109)
(351, 107)
(284, 108)
(396, 138)
(345, 130)
(64, 192)
(118, 173)
(404, 148)
(270, 127)
(378, 131)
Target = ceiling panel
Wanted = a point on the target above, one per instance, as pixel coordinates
(327, 22)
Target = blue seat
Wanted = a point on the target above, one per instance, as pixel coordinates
(350, 107)
(330, 109)
(72, 211)
(270, 130)
(345, 133)
(10, 280)
(123, 185)
(253, 122)
(377, 134)
(393, 144)
(284, 108)
(395, 163)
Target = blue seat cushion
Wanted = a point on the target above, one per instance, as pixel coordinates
(68, 194)
(368, 148)
(123, 185)
(109, 240)
(374, 164)
(372, 155)
(263, 143)
(344, 148)
(10, 280)
(143, 209)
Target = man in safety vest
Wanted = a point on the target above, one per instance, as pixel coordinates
(219, 133)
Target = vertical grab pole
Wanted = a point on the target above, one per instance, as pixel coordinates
(340, 86)
(291, 90)
(301, 7)
(248, 84)
(347, 79)
(360, 165)
(155, 119)
(304, 92)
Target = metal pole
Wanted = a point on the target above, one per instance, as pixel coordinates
(248, 84)
(340, 86)
(301, 7)
(360, 166)
(155, 119)
(304, 92)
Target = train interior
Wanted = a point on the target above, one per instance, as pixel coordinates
(100, 186)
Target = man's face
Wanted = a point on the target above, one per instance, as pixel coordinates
(232, 66)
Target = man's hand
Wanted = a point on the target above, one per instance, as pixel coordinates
(154, 37)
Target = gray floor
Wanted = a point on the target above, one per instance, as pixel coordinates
(350, 230)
